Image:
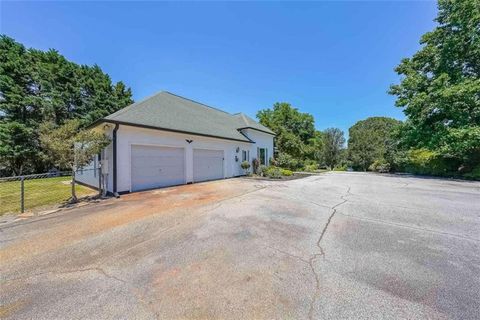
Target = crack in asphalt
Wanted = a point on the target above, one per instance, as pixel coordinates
(319, 205)
(322, 251)
(410, 227)
(59, 272)
(289, 254)
(99, 270)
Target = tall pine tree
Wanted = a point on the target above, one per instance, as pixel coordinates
(43, 86)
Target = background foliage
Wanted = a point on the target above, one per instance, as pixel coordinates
(43, 86)
(369, 139)
(440, 92)
(297, 142)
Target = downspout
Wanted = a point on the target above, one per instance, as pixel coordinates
(115, 193)
(99, 172)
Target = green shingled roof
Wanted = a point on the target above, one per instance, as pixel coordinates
(171, 112)
(247, 122)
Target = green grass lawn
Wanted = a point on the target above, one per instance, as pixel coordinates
(38, 193)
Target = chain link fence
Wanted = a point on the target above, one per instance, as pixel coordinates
(35, 192)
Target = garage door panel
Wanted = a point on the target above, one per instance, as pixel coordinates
(154, 167)
(207, 164)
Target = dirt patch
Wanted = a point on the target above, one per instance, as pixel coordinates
(203, 287)
(127, 209)
(8, 309)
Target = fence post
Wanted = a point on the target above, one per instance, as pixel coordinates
(22, 194)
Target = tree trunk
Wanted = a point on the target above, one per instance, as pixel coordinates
(74, 195)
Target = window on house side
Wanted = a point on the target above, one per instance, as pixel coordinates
(263, 156)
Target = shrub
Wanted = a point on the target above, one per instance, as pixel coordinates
(340, 168)
(261, 171)
(273, 162)
(311, 167)
(380, 166)
(474, 174)
(310, 162)
(423, 161)
(273, 172)
(285, 160)
(245, 166)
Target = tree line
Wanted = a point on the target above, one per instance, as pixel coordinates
(42, 87)
(299, 146)
(439, 93)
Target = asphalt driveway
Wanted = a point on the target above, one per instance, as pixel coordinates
(339, 245)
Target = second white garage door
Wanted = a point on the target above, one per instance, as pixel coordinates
(154, 167)
(207, 164)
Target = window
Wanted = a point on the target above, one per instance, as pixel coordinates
(245, 155)
(262, 155)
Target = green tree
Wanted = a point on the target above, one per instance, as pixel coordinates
(43, 86)
(16, 83)
(369, 139)
(295, 130)
(70, 147)
(439, 90)
(313, 150)
(333, 147)
(17, 147)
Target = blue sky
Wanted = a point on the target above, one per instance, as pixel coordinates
(334, 60)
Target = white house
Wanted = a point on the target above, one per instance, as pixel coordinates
(169, 140)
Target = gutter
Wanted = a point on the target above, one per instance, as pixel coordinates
(115, 193)
(96, 123)
(252, 128)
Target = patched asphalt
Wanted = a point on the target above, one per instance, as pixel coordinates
(332, 246)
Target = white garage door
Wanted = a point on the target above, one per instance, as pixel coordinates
(207, 164)
(154, 167)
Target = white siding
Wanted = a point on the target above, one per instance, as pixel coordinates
(262, 140)
(126, 136)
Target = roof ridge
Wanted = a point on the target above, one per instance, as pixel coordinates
(243, 117)
(203, 104)
(252, 123)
